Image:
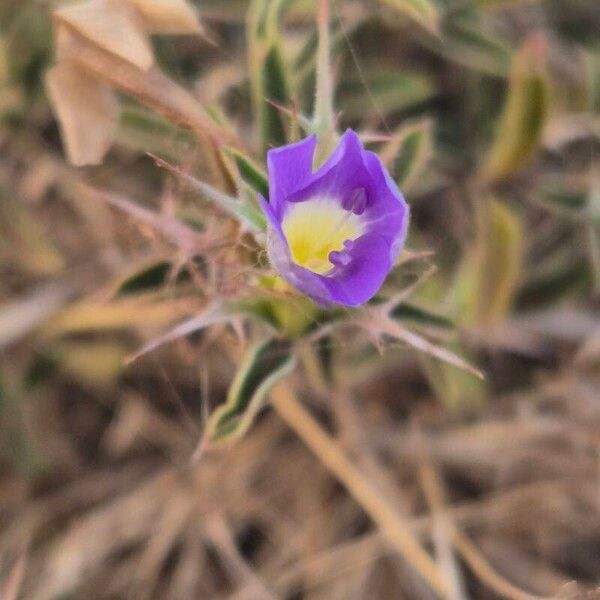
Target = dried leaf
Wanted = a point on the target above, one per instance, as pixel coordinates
(125, 314)
(168, 16)
(113, 25)
(23, 239)
(14, 582)
(265, 364)
(96, 363)
(87, 111)
(151, 87)
(21, 316)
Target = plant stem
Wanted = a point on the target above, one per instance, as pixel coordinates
(396, 529)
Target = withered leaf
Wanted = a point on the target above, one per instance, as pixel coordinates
(168, 16)
(114, 25)
(87, 111)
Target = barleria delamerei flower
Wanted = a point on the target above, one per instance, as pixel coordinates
(333, 234)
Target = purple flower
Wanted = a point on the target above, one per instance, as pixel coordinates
(333, 234)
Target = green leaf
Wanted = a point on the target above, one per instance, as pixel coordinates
(593, 230)
(408, 153)
(421, 316)
(524, 115)
(143, 130)
(17, 442)
(252, 174)
(468, 41)
(148, 278)
(268, 72)
(266, 363)
(324, 119)
(559, 199)
(551, 286)
(492, 270)
(423, 12)
(385, 90)
(593, 66)
(457, 389)
(275, 89)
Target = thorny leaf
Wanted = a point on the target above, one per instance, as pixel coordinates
(455, 388)
(190, 241)
(213, 314)
(381, 326)
(243, 210)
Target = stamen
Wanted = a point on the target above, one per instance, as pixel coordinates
(356, 202)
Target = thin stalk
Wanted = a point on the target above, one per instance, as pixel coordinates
(396, 529)
(433, 488)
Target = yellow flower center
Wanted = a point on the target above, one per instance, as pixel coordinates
(315, 228)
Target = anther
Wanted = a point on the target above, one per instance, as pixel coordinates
(339, 258)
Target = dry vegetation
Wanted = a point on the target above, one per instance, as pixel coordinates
(373, 475)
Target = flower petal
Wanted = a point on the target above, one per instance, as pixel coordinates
(387, 213)
(342, 173)
(289, 168)
(360, 280)
(302, 279)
